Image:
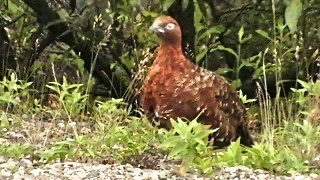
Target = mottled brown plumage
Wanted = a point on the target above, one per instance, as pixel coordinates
(175, 87)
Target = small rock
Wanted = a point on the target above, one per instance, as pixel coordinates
(61, 125)
(73, 176)
(300, 177)
(118, 176)
(263, 176)
(2, 159)
(25, 163)
(10, 164)
(82, 173)
(92, 174)
(5, 173)
(231, 169)
(4, 141)
(115, 147)
(128, 167)
(18, 176)
(314, 176)
(24, 116)
(52, 172)
(10, 119)
(73, 124)
(14, 135)
(36, 172)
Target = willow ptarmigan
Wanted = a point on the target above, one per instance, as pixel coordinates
(175, 87)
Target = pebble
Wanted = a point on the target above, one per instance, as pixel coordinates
(314, 176)
(25, 163)
(36, 172)
(10, 164)
(5, 173)
(2, 159)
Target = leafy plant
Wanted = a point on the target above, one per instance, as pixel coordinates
(15, 150)
(112, 107)
(262, 156)
(302, 135)
(13, 90)
(82, 147)
(117, 135)
(308, 96)
(188, 142)
(244, 98)
(70, 96)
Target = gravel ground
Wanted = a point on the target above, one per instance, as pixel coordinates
(24, 169)
(149, 165)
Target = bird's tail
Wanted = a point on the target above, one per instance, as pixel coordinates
(244, 133)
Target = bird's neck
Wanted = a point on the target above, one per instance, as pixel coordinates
(171, 56)
(170, 50)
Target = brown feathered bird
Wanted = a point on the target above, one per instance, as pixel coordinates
(175, 87)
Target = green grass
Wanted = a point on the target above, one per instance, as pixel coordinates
(16, 150)
(287, 144)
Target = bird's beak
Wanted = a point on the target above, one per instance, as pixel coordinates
(157, 26)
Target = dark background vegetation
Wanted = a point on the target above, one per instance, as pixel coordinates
(44, 40)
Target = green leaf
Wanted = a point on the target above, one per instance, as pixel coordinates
(171, 141)
(304, 84)
(292, 14)
(167, 4)
(14, 7)
(264, 34)
(91, 152)
(199, 138)
(236, 83)
(8, 98)
(240, 33)
(246, 39)
(185, 4)
(201, 54)
(214, 30)
(180, 147)
(222, 48)
(198, 15)
(178, 126)
(194, 123)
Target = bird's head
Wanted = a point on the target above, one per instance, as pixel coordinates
(167, 29)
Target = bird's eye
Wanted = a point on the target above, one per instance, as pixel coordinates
(170, 26)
